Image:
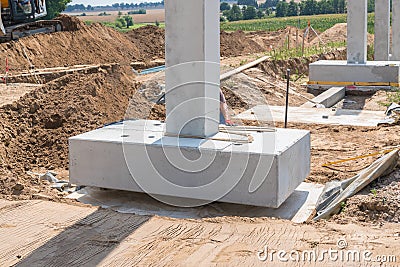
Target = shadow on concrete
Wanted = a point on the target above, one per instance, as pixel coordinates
(87, 242)
(143, 204)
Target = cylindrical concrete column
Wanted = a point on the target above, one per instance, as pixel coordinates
(357, 31)
(382, 30)
(396, 30)
(192, 53)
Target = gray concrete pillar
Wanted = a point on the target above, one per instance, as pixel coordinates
(396, 30)
(382, 30)
(192, 60)
(357, 31)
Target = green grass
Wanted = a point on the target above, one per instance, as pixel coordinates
(318, 22)
(135, 26)
(283, 53)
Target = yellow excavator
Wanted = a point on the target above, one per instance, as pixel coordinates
(19, 18)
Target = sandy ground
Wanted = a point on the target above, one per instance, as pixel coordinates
(12, 92)
(41, 233)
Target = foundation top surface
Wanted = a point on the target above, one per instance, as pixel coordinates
(146, 132)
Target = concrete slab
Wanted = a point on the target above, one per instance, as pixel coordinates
(382, 30)
(314, 116)
(339, 72)
(298, 208)
(137, 156)
(328, 98)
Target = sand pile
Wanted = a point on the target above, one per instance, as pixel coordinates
(238, 43)
(35, 129)
(338, 33)
(70, 23)
(149, 40)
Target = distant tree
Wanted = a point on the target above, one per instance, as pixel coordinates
(260, 14)
(250, 13)
(55, 7)
(308, 7)
(128, 20)
(119, 13)
(248, 3)
(120, 23)
(234, 14)
(269, 3)
(281, 9)
(371, 6)
(293, 9)
(157, 23)
(224, 6)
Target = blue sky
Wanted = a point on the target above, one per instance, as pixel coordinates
(107, 2)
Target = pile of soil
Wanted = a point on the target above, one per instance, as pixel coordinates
(238, 43)
(337, 33)
(35, 129)
(149, 40)
(378, 202)
(70, 23)
(94, 44)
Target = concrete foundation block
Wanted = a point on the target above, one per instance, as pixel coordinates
(137, 156)
(336, 72)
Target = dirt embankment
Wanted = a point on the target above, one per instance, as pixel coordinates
(35, 129)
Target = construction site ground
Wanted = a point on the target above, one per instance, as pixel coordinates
(40, 227)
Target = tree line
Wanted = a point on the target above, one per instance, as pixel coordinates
(250, 9)
(313, 7)
(116, 6)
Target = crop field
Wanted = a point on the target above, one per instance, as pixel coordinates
(318, 22)
(151, 16)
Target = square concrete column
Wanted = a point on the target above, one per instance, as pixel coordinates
(192, 47)
(396, 30)
(357, 31)
(382, 30)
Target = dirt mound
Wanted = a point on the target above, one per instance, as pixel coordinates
(378, 202)
(94, 44)
(237, 43)
(35, 129)
(289, 37)
(149, 40)
(70, 23)
(337, 33)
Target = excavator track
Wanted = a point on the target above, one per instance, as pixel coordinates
(31, 28)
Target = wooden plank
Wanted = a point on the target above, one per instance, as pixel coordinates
(242, 68)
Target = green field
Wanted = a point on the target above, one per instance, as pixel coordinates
(318, 22)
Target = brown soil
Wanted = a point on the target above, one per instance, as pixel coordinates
(70, 23)
(35, 129)
(149, 40)
(338, 33)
